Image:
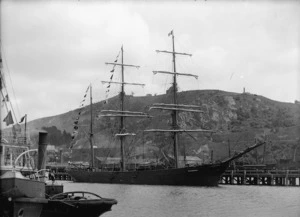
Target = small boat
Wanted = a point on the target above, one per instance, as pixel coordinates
(77, 204)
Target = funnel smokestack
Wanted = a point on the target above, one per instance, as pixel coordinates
(42, 150)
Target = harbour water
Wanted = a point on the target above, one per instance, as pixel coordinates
(222, 201)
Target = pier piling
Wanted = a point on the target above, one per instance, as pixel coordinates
(261, 177)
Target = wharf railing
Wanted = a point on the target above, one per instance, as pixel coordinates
(59, 172)
(261, 177)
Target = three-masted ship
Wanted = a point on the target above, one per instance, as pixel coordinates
(198, 175)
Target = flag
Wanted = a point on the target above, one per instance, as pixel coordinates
(74, 134)
(6, 98)
(8, 119)
(170, 33)
(87, 89)
(72, 144)
(23, 118)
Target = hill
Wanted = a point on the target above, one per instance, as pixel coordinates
(236, 118)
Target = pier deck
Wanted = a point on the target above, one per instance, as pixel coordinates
(59, 172)
(261, 177)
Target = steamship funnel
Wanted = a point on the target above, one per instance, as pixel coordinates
(42, 151)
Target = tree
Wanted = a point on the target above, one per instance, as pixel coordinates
(56, 137)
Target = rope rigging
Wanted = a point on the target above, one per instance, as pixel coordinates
(5, 98)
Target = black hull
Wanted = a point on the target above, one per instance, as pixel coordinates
(204, 175)
(15, 188)
(86, 208)
(77, 204)
(19, 195)
(15, 207)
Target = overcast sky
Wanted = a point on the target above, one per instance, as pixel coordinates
(52, 50)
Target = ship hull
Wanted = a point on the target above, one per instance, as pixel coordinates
(204, 175)
(20, 196)
(69, 208)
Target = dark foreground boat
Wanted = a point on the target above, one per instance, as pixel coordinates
(77, 204)
(21, 196)
(24, 196)
(198, 175)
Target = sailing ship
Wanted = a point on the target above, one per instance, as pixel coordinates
(197, 175)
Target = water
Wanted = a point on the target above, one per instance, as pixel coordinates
(222, 201)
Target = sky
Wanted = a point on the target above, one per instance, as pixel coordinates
(53, 50)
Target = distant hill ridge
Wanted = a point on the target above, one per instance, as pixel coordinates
(232, 115)
(225, 108)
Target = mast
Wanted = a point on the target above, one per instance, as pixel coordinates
(174, 115)
(0, 95)
(175, 107)
(25, 129)
(175, 112)
(122, 109)
(91, 128)
(229, 148)
(122, 113)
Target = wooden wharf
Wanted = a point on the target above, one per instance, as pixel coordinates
(261, 177)
(62, 176)
(59, 172)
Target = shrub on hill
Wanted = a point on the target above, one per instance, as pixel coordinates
(56, 137)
